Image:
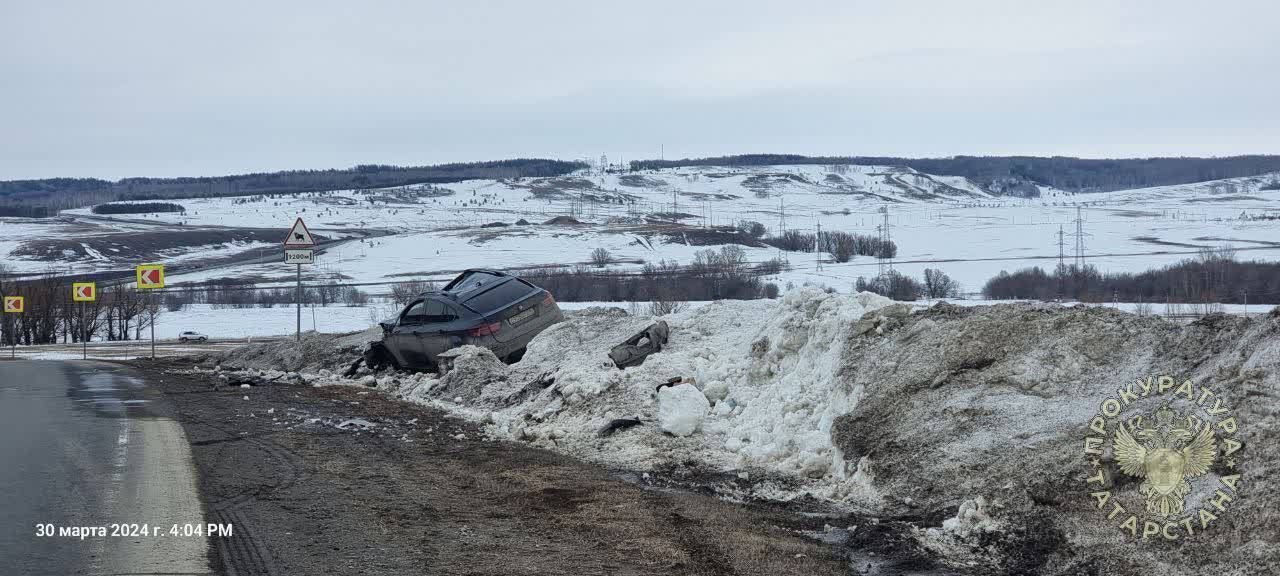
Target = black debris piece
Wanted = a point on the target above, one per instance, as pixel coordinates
(635, 349)
(618, 424)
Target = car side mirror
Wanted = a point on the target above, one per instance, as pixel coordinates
(387, 326)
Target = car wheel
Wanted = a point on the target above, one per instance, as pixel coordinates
(183, 340)
(203, 339)
(514, 357)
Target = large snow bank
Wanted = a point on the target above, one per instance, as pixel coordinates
(767, 369)
(766, 389)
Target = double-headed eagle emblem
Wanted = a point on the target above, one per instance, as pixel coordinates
(1165, 455)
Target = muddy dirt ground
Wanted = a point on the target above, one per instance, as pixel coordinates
(423, 493)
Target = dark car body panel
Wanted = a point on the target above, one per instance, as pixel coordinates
(481, 307)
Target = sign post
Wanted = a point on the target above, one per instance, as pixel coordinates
(151, 277)
(297, 251)
(83, 292)
(14, 305)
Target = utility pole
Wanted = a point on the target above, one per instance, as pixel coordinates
(880, 252)
(817, 246)
(1079, 235)
(782, 217)
(1060, 247)
(886, 265)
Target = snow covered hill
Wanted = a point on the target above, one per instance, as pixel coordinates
(940, 222)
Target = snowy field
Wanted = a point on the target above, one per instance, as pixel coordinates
(82, 245)
(937, 222)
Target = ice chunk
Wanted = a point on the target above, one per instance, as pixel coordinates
(681, 409)
(716, 390)
(355, 424)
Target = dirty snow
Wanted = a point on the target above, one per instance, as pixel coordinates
(968, 418)
(764, 375)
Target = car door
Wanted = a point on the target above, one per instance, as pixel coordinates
(440, 332)
(405, 342)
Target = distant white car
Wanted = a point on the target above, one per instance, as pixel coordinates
(190, 336)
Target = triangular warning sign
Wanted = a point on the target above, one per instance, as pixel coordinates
(299, 236)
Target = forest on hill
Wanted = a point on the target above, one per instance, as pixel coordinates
(42, 198)
(1019, 175)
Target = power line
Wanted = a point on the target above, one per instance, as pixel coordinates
(1080, 235)
(885, 241)
(1061, 261)
(817, 247)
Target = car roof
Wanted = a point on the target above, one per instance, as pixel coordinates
(449, 291)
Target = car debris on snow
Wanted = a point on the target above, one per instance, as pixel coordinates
(634, 350)
(617, 424)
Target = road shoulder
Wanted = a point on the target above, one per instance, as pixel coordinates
(344, 480)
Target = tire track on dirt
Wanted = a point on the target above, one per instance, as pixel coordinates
(245, 554)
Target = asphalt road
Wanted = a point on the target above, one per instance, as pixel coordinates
(85, 444)
(133, 349)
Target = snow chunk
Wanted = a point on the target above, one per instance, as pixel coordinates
(716, 390)
(355, 424)
(681, 409)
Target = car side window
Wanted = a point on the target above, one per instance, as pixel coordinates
(416, 313)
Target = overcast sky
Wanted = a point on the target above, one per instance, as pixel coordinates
(175, 88)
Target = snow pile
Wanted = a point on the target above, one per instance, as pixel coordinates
(971, 517)
(761, 388)
(681, 409)
(316, 352)
(984, 409)
(470, 369)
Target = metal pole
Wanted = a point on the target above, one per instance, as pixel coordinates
(151, 307)
(298, 298)
(84, 332)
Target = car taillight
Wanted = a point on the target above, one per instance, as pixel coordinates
(549, 300)
(485, 330)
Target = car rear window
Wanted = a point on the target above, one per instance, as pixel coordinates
(500, 296)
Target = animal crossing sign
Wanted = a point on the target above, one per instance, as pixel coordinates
(299, 236)
(14, 304)
(151, 276)
(84, 292)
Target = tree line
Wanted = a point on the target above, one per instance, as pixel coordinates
(138, 208)
(898, 286)
(712, 275)
(1019, 175)
(45, 197)
(220, 293)
(842, 246)
(1212, 276)
(50, 316)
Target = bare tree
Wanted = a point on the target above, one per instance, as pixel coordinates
(601, 257)
(664, 307)
(404, 293)
(938, 285)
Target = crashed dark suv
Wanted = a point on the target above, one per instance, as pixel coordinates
(482, 307)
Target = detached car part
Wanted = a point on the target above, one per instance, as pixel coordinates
(635, 349)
